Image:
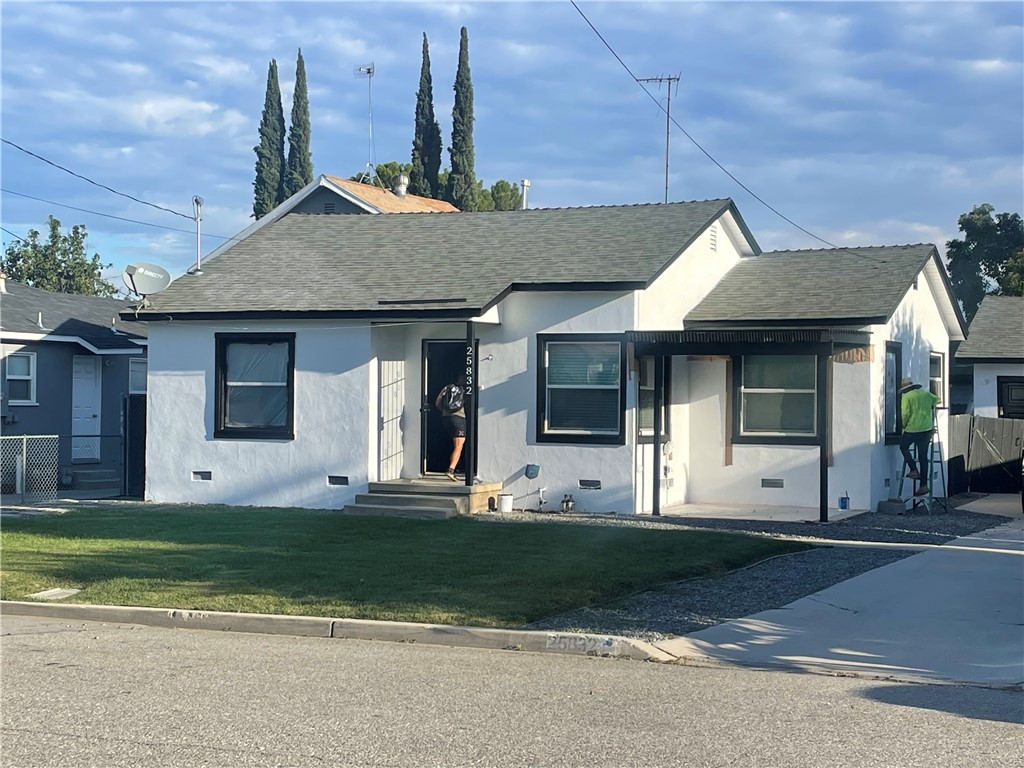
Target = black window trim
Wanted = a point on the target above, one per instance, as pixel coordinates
(541, 393)
(222, 340)
(942, 375)
(666, 394)
(738, 437)
(892, 438)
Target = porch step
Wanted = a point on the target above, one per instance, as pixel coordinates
(408, 512)
(467, 498)
(454, 503)
(97, 480)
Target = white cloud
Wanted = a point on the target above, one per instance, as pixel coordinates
(224, 68)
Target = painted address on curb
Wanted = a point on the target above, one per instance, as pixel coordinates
(581, 643)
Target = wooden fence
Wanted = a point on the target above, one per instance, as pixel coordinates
(985, 454)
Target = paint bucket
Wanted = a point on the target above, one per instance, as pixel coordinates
(844, 502)
(504, 502)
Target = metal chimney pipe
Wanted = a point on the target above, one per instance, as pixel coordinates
(525, 183)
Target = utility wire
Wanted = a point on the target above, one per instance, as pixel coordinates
(14, 235)
(111, 216)
(95, 183)
(708, 154)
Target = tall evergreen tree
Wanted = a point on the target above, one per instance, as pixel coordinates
(426, 140)
(461, 191)
(270, 163)
(300, 163)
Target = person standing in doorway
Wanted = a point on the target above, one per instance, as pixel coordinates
(451, 402)
(918, 421)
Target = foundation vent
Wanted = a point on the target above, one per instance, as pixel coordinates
(202, 474)
(771, 482)
(337, 479)
(590, 485)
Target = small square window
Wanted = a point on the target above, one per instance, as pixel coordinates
(21, 378)
(778, 396)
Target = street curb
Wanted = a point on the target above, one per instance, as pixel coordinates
(532, 641)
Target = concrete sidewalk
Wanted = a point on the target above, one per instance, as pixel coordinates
(952, 614)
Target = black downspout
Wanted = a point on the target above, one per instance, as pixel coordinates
(471, 404)
(659, 386)
(824, 360)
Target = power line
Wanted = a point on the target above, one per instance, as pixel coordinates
(708, 154)
(111, 216)
(94, 183)
(14, 235)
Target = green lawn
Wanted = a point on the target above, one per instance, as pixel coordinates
(295, 561)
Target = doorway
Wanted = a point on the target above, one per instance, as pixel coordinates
(85, 408)
(443, 361)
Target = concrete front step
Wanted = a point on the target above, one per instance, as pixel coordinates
(470, 498)
(455, 504)
(409, 512)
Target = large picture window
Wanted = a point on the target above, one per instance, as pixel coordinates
(778, 395)
(255, 386)
(21, 378)
(581, 389)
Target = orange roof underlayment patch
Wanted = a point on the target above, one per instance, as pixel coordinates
(389, 202)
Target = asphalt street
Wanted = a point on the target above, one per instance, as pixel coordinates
(83, 693)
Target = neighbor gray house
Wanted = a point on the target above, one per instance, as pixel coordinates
(69, 368)
(995, 348)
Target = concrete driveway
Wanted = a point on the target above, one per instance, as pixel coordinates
(953, 614)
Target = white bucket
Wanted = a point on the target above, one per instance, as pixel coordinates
(504, 502)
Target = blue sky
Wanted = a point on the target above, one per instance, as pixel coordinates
(866, 123)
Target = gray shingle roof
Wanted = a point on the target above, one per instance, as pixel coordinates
(997, 330)
(453, 261)
(86, 317)
(814, 285)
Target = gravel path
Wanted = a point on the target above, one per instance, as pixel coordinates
(695, 604)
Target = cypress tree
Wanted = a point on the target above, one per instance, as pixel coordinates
(461, 190)
(300, 163)
(270, 151)
(426, 140)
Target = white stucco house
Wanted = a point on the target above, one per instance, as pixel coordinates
(995, 348)
(300, 367)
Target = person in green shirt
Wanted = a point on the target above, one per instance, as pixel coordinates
(918, 421)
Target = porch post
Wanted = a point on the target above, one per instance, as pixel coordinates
(824, 428)
(471, 402)
(659, 394)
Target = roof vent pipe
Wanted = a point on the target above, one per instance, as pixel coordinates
(401, 185)
(526, 191)
(3, 282)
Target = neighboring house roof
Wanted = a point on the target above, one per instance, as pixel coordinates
(386, 201)
(996, 333)
(849, 286)
(86, 320)
(443, 266)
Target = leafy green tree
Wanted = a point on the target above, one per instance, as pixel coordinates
(386, 174)
(506, 196)
(426, 140)
(60, 264)
(270, 162)
(484, 200)
(461, 190)
(300, 163)
(991, 252)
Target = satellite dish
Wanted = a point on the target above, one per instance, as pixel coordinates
(146, 279)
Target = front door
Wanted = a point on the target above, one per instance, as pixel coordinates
(85, 408)
(443, 361)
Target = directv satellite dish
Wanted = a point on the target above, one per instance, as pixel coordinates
(146, 279)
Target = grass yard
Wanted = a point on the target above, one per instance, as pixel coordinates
(296, 561)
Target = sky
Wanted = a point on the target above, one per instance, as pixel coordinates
(863, 123)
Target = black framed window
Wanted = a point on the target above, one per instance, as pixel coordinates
(778, 396)
(645, 397)
(893, 374)
(255, 381)
(581, 388)
(937, 376)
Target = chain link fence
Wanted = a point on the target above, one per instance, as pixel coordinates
(30, 467)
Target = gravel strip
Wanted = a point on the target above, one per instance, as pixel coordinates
(688, 606)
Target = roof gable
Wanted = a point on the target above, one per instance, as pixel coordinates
(386, 201)
(996, 332)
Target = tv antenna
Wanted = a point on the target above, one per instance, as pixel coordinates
(370, 171)
(670, 79)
